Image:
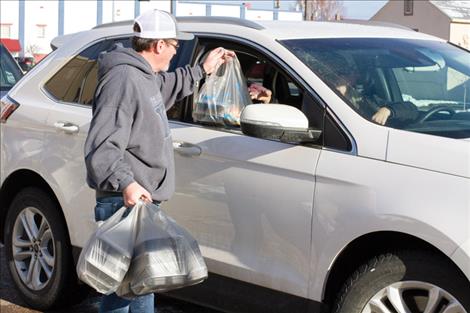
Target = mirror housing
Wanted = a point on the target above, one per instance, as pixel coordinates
(277, 122)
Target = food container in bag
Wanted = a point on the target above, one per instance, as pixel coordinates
(106, 257)
(166, 256)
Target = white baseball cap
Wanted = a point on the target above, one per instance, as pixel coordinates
(157, 24)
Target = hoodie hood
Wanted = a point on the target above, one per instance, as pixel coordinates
(119, 55)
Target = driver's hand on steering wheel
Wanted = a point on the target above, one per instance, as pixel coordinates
(381, 116)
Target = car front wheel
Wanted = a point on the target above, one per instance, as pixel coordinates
(38, 250)
(405, 282)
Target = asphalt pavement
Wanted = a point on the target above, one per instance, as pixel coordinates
(11, 302)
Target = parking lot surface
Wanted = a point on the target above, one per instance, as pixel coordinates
(11, 302)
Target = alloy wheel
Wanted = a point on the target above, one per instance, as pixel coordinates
(413, 297)
(33, 248)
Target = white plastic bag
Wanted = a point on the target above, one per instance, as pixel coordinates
(223, 96)
(106, 257)
(166, 256)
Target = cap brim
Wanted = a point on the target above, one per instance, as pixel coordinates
(184, 36)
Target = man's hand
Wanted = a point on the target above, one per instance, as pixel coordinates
(133, 192)
(260, 93)
(215, 58)
(381, 116)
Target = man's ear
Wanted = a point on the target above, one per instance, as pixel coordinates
(158, 46)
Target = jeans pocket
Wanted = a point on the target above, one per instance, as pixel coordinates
(106, 207)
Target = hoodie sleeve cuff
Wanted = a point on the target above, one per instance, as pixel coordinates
(125, 182)
(392, 111)
(200, 71)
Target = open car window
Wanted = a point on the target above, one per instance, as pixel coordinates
(257, 69)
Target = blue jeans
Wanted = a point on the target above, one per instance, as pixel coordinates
(105, 207)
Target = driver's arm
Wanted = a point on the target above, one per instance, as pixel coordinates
(382, 115)
(403, 111)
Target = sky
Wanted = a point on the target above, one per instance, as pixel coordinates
(365, 9)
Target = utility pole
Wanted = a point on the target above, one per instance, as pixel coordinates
(21, 16)
(99, 12)
(307, 11)
(113, 11)
(173, 7)
(136, 8)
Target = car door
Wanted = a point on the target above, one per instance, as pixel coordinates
(248, 201)
(67, 127)
(72, 89)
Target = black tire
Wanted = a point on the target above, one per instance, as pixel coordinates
(419, 270)
(62, 280)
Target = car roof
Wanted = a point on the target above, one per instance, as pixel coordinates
(314, 29)
(275, 30)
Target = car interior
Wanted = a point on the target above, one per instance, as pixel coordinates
(256, 68)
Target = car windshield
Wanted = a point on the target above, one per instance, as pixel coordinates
(425, 84)
(10, 73)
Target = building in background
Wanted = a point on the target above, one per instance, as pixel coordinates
(449, 20)
(34, 23)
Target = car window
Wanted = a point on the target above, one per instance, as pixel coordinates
(9, 70)
(90, 81)
(68, 83)
(257, 68)
(425, 85)
(76, 82)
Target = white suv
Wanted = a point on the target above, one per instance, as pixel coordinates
(312, 203)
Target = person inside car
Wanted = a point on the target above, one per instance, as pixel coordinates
(360, 93)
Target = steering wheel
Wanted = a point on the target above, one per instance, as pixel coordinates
(433, 111)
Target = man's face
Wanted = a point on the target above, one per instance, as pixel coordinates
(171, 47)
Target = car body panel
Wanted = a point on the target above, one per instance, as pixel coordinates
(429, 152)
(462, 254)
(65, 168)
(231, 198)
(350, 202)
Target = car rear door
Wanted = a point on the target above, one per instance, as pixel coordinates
(72, 89)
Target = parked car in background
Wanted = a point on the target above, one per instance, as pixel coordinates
(10, 72)
(26, 63)
(309, 204)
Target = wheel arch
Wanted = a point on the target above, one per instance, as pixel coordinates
(17, 181)
(363, 248)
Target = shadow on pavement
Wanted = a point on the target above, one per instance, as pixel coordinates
(11, 302)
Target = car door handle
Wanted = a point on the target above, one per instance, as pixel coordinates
(186, 148)
(67, 127)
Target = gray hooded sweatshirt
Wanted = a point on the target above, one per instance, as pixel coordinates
(129, 138)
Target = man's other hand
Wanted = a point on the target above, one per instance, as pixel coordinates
(133, 192)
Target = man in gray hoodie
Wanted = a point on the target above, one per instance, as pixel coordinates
(129, 150)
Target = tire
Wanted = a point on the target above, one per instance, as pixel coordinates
(46, 255)
(409, 278)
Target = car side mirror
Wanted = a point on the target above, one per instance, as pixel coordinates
(277, 122)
